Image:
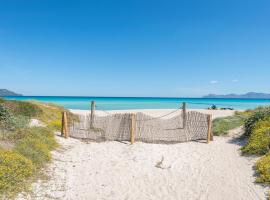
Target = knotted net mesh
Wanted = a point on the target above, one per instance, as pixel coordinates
(117, 127)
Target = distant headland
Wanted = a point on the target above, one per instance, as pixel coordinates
(5, 92)
(249, 95)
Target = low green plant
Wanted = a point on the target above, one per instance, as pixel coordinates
(6, 118)
(32, 145)
(259, 113)
(24, 108)
(52, 115)
(221, 126)
(11, 124)
(33, 149)
(43, 134)
(263, 169)
(14, 170)
(36, 144)
(55, 125)
(259, 140)
(21, 122)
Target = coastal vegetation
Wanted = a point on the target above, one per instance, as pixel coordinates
(24, 150)
(222, 125)
(256, 125)
(257, 131)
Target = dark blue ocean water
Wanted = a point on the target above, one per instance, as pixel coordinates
(122, 103)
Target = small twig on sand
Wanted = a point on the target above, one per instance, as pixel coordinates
(159, 164)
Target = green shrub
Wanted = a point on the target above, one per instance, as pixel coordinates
(23, 108)
(49, 114)
(42, 134)
(259, 139)
(6, 118)
(52, 115)
(31, 145)
(10, 124)
(36, 144)
(9, 121)
(259, 114)
(263, 169)
(21, 122)
(14, 169)
(34, 150)
(222, 125)
(55, 125)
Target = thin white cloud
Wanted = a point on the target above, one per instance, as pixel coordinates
(235, 81)
(213, 82)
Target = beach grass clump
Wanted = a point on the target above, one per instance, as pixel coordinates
(263, 169)
(10, 123)
(257, 130)
(6, 118)
(55, 125)
(259, 140)
(23, 108)
(14, 170)
(221, 126)
(36, 145)
(44, 135)
(52, 115)
(258, 114)
(49, 114)
(34, 150)
(29, 148)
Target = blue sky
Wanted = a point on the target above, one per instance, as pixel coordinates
(135, 47)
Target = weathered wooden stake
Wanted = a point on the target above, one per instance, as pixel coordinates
(209, 134)
(184, 107)
(64, 128)
(66, 125)
(93, 107)
(132, 128)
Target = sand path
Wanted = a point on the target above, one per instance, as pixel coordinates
(120, 171)
(114, 170)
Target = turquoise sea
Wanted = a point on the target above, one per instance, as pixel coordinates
(123, 103)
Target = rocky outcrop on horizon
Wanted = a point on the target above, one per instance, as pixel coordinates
(5, 92)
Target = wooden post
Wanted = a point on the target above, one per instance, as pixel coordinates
(209, 134)
(63, 125)
(184, 107)
(66, 125)
(64, 128)
(93, 107)
(132, 128)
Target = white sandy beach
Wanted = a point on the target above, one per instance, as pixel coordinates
(118, 170)
(158, 112)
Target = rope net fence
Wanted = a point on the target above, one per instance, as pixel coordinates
(182, 127)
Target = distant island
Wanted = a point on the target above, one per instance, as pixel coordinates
(249, 95)
(5, 92)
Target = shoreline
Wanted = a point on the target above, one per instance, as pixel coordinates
(120, 103)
